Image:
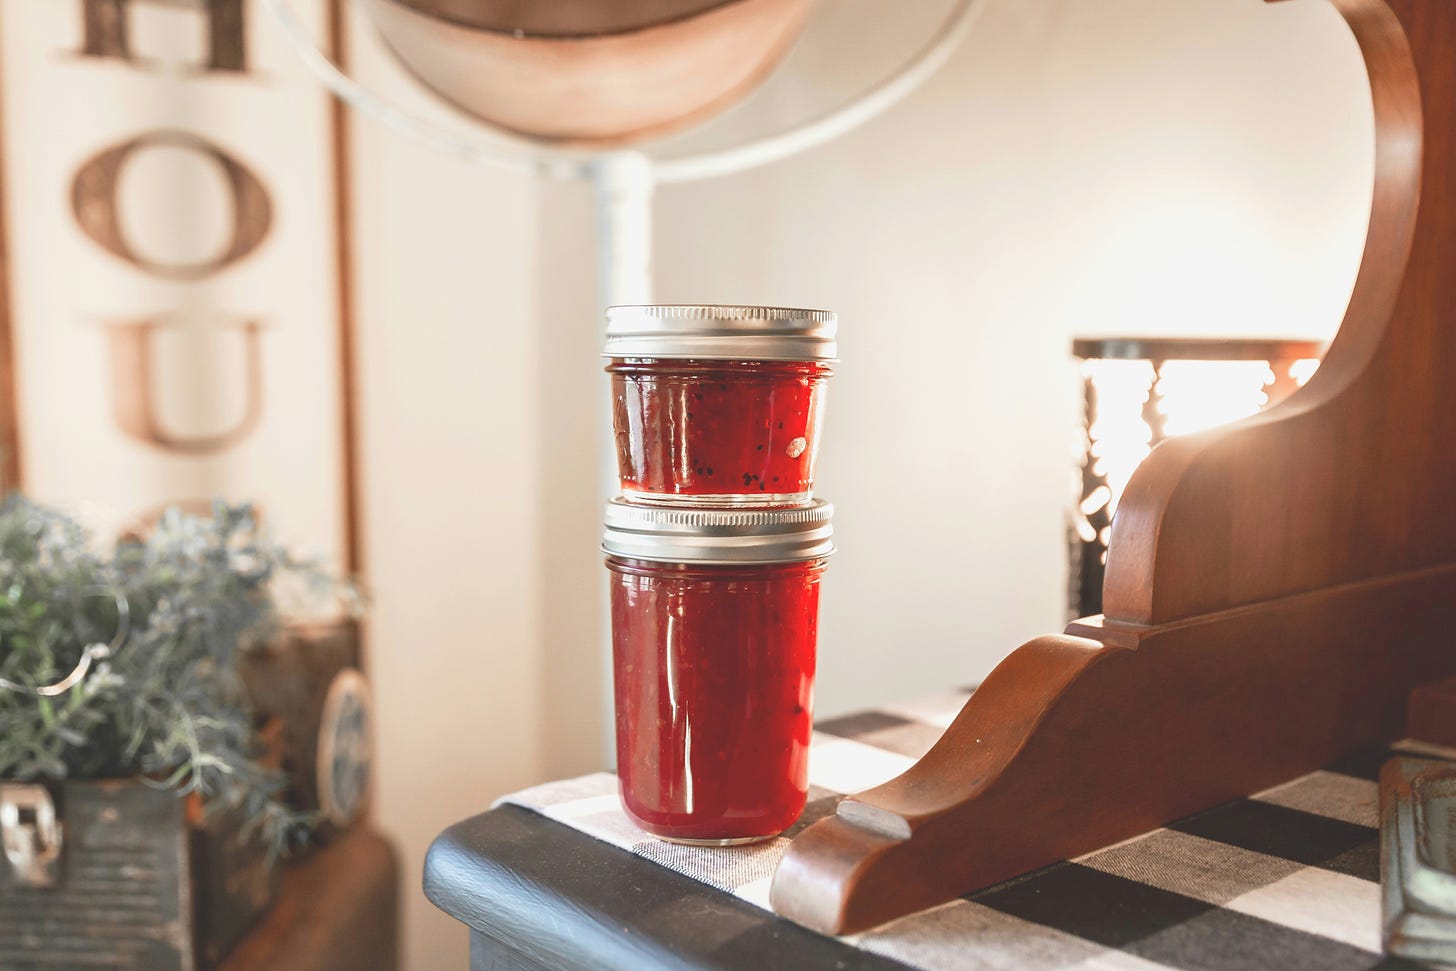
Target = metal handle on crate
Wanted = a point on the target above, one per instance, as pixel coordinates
(92, 654)
(30, 833)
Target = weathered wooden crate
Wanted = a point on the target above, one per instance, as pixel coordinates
(137, 883)
(307, 682)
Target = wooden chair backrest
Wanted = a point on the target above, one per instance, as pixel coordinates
(1279, 593)
(1353, 477)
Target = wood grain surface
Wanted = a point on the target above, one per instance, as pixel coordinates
(564, 18)
(1275, 591)
(338, 908)
(610, 80)
(124, 896)
(1432, 716)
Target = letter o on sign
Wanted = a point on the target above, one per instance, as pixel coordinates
(97, 208)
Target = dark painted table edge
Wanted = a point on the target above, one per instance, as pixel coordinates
(561, 899)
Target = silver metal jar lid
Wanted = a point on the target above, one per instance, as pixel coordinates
(721, 333)
(718, 537)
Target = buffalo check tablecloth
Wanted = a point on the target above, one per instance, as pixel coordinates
(1287, 879)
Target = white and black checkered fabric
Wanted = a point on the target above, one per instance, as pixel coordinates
(1286, 879)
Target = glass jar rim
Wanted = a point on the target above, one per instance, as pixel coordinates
(719, 536)
(721, 332)
(635, 566)
(741, 369)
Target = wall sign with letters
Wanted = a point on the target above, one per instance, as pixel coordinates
(176, 274)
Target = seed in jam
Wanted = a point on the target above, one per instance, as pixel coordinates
(737, 410)
(712, 660)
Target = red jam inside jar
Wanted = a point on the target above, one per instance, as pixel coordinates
(714, 677)
(720, 432)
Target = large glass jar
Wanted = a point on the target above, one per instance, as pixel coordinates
(714, 636)
(719, 405)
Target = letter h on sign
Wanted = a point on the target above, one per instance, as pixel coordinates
(106, 32)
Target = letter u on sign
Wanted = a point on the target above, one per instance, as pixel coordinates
(134, 378)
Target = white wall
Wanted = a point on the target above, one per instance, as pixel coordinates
(451, 488)
(1124, 166)
(1130, 166)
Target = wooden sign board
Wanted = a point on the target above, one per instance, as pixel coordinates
(176, 266)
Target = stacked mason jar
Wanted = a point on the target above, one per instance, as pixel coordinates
(715, 548)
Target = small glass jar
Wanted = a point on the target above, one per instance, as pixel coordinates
(719, 405)
(714, 640)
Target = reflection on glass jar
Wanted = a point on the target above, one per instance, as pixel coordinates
(714, 634)
(719, 405)
(722, 433)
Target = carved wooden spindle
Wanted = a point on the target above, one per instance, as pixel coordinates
(1275, 590)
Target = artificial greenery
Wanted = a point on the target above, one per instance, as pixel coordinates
(168, 706)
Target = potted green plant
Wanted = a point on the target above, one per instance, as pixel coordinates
(134, 782)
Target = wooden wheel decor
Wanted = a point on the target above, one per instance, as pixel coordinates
(1275, 592)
